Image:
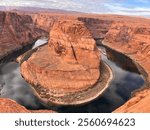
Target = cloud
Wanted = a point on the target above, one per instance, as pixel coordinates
(124, 7)
(119, 9)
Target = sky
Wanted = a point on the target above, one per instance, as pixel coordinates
(123, 7)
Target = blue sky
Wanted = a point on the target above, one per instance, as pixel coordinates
(124, 7)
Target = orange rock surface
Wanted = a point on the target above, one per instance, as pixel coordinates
(137, 104)
(10, 106)
(61, 67)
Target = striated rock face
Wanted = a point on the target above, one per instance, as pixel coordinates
(45, 21)
(68, 64)
(133, 41)
(138, 104)
(16, 31)
(98, 27)
(10, 106)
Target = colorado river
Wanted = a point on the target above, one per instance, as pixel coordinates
(13, 86)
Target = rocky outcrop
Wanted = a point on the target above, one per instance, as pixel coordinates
(45, 21)
(60, 70)
(16, 32)
(10, 106)
(137, 104)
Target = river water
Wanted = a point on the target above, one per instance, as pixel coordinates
(13, 86)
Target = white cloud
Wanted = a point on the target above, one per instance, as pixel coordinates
(119, 9)
(89, 6)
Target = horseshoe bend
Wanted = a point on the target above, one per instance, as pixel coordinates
(69, 69)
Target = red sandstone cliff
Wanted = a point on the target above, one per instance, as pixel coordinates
(131, 39)
(45, 21)
(16, 31)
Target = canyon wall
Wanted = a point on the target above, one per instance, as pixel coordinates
(16, 32)
(45, 21)
(132, 40)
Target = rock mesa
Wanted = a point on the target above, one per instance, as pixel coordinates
(68, 64)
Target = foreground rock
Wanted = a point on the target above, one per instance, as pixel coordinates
(66, 70)
(138, 104)
(10, 106)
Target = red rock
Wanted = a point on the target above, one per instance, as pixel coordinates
(62, 67)
(10, 106)
(16, 31)
(133, 41)
(137, 104)
(45, 21)
(42, 111)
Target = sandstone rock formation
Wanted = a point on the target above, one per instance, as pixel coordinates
(10, 106)
(16, 32)
(45, 21)
(68, 65)
(138, 104)
(133, 41)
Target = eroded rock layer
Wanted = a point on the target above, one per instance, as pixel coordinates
(69, 63)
